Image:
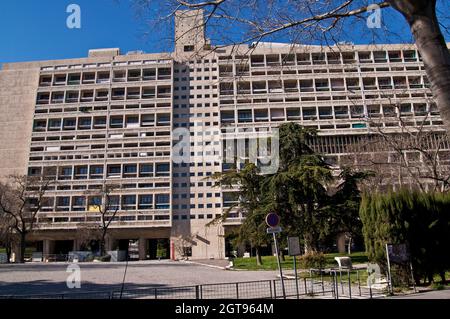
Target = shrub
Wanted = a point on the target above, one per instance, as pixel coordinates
(420, 220)
(312, 260)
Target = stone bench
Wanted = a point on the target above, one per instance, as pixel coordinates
(344, 262)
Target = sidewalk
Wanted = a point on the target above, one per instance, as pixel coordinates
(213, 263)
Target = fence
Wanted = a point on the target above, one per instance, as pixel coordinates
(327, 284)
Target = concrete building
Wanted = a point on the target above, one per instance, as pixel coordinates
(110, 118)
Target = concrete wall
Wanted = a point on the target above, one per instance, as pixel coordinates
(17, 100)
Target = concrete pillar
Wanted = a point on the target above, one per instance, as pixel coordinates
(49, 247)
(110, 243)
(142, 248)
(340, 241)
(76, 245)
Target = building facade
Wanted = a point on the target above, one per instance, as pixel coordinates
(119, 119)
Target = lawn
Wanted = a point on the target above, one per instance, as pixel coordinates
(270, 262)
(2, 250)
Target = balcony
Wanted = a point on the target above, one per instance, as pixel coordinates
(58, 99)
(134, 75)
(133, 94)
(325, 113)
(293, 114)
(149, 74)
(259, 88)
(257, 61)
(261, 116)
(245, 117)
(164, 74)
(88, 78)
(148, 94)
(164, 93)
(277, 115)
(102, 96)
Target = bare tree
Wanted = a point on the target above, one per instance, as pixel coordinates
(106, 203)
(183, 243)
(86, 234)
(410, 156)
(323, 21)
(7, 236)
(21, 199)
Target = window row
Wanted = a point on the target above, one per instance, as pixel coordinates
(106, 64)
(99, 122)
(197, 206)
(81, 172)
(102, 95)
(320, 85)
(104, 77)
(131, 135)
(292, 59)
(114, 202)
(231, 101)
(95, 156)
(325, 112)
(245, 72)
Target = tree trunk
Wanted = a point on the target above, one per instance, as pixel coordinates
(103, 243)
(23, 246)
(421, 16)
(282, 257)
(258, 257)
(309, 244)
(8, 252)
(349, 245)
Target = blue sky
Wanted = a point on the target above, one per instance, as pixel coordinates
(36, 29)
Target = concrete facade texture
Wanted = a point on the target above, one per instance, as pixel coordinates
(109, 118)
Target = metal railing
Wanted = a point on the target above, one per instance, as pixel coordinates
(323, 284)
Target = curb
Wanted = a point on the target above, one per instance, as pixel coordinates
(205, 265)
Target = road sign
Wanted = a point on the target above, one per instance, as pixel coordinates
(274, 230)
(294, 246)
(272, 220)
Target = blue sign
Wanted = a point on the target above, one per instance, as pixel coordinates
(272, 220)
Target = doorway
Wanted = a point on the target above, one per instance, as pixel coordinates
(159, 248)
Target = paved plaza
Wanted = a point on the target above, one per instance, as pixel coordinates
(43, 278)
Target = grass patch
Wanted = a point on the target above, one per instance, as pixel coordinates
(270, 262)
(2, 250)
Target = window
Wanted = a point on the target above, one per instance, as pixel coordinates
(63, 203)
(79, 203)
(69, 124)
(129, 202)
(81, 172)
(162, 169)
(96, 172)
(145, 201)
(130, 170)
(116, 122)
(84, 123)
(162, 201)
(65, 173)
(114, 170)
(145, 170)
(188, 48)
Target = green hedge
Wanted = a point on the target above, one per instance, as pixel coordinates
(418, 219)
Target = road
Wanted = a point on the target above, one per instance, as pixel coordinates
(43, 278)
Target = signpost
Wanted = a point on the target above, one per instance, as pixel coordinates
(294, 250)
(273, 221)
(398, 254)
